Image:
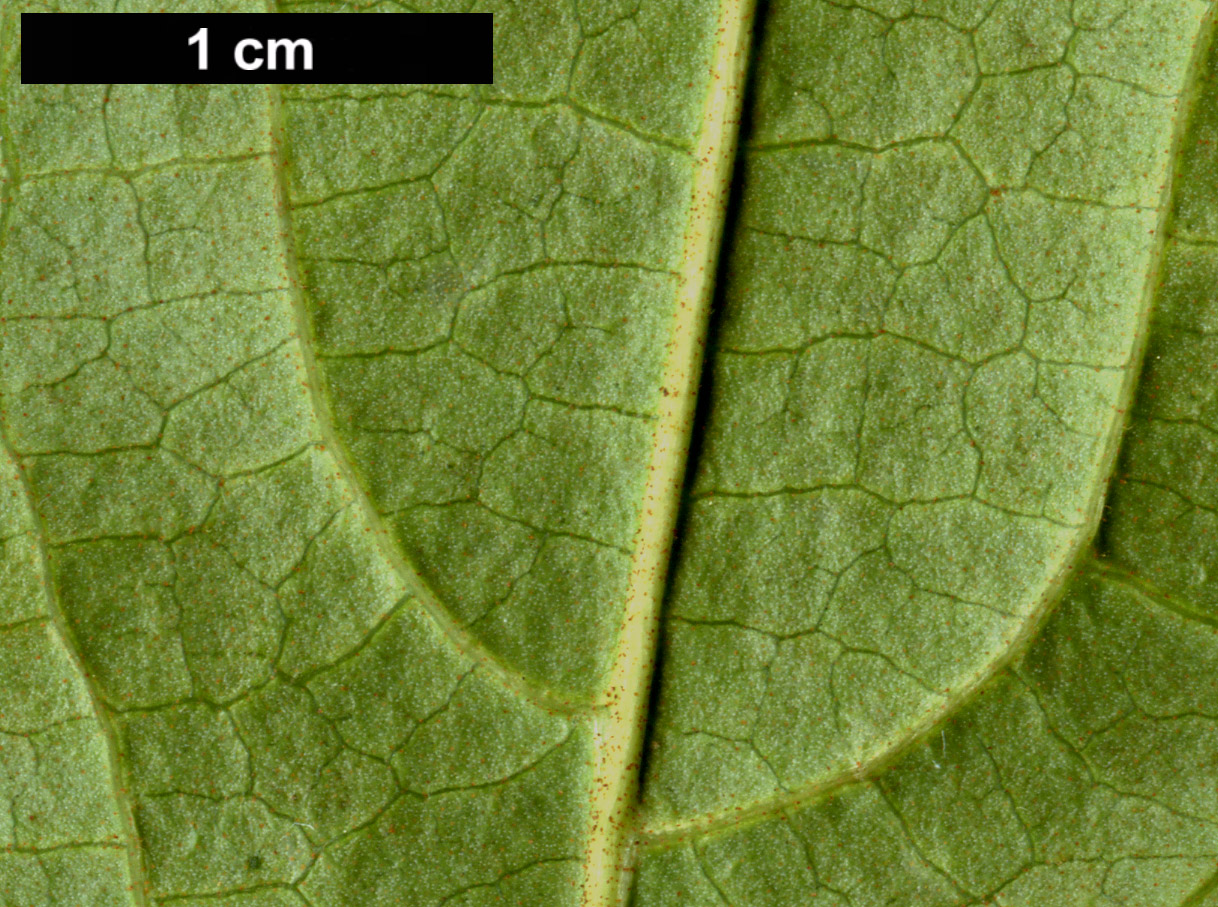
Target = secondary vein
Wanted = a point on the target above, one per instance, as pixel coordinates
(120, 783)
(384, 541)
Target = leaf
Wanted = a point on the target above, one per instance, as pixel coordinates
(347, 517)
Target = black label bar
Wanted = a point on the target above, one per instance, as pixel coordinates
(256, 48)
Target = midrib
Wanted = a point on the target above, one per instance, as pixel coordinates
(620, 727)
(620, 715)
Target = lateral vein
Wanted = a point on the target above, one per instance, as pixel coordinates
(120, 783)
(458, 635)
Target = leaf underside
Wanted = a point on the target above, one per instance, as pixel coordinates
(341, 451)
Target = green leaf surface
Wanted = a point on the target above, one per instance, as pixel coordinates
(376, 531)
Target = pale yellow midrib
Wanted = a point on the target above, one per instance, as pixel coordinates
(620, 726)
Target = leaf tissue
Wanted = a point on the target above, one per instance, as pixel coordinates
(748, 456)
